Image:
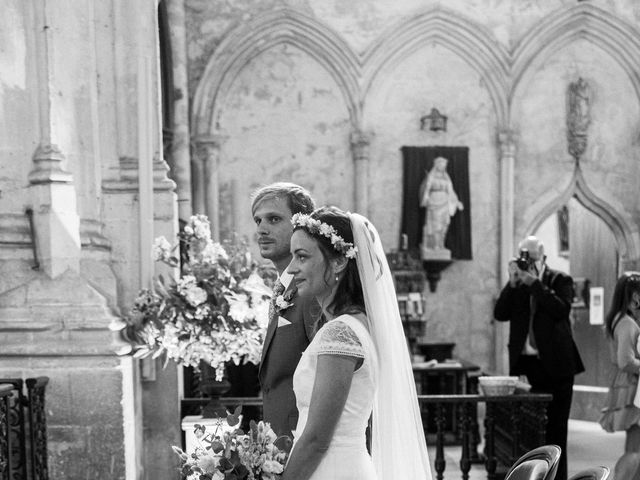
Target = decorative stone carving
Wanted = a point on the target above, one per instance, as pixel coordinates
(578, 117)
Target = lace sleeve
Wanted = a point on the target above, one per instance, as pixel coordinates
(337, 338)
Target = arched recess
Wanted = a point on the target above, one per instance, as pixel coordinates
(471, 42)
(583, 21)
(245, 43)
(620, 223)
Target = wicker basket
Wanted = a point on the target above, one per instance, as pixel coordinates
(496, 386)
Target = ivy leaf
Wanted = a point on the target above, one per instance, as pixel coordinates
(217, 446)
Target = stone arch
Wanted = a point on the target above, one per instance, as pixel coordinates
(621, 224)
(582, 21)
(471, 42)
(247, 42)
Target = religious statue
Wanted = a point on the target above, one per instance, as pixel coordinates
(441, 202)
(578, 116)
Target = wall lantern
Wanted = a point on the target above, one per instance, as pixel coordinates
(435, 120)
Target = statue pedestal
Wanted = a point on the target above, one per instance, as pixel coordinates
(434, 262)
(433, 254)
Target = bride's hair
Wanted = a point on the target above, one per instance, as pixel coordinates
(349, 297)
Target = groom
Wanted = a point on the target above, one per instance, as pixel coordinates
(291, 319)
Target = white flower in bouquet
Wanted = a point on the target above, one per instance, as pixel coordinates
(201, 228)
(188, 288)
(208, 462)
(273, 467)
(213, 252)
(239, 308)
(161, 249)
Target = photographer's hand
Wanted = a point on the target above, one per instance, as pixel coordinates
(514, 278)
(527, 277)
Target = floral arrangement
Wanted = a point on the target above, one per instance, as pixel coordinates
(316, 227)
(216, 311)
(233, 455)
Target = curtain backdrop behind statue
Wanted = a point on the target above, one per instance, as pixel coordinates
(416, 162)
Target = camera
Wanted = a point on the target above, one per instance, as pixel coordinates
(524, 260)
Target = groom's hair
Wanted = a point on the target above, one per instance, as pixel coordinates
(298, 198)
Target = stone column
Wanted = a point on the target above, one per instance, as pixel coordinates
(180, 144)
(209, 152)
(507, 143)
(53, 194)
(360, 142)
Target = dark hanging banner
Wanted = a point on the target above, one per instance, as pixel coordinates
(417, 161)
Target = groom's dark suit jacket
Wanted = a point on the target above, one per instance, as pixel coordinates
(281, 353)
(552, 297)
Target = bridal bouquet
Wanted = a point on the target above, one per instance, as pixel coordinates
(234, 455)
(215, 312)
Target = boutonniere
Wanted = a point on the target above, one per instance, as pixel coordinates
(283, 301)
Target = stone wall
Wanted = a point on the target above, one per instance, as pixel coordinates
(73, 141)
(286, 85)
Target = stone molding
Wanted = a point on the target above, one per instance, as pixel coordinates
(502, 71)
(15, 231)
(91, 236)
(60, 316)
(129, 171)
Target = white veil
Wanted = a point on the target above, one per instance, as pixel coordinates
(398, 446)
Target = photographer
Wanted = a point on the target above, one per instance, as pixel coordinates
(537, 301)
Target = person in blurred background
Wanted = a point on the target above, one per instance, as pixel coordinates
(620, 413)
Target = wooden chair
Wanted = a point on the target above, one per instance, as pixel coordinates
(596, 473)
(539, 464)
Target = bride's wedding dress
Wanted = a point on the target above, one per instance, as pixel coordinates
(383, 384)
(347, 457)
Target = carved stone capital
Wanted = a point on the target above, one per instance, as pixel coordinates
(208, 146)
(360, 143)
(508, 143)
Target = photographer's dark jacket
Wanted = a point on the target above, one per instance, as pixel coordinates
(552, 295)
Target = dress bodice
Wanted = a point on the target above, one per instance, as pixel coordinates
(344, 335)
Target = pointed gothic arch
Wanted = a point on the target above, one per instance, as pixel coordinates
(470, 41)
(245, 43)
(621, 224)
(559, 29)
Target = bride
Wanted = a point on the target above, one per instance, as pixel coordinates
(357, 365)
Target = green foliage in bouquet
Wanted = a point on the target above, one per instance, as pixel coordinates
(216, 311)
(230, 454)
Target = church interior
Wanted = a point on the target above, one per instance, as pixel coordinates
(120, 120)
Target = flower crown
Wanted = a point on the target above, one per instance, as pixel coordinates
(316, 227)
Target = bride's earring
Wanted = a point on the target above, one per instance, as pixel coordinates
(337, 278)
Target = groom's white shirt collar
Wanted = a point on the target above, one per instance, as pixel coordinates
(285, 279)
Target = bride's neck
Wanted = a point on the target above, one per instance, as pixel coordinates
(325, 302)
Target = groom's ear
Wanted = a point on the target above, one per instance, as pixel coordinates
(339, 264)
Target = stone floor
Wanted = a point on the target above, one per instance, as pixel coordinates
(588, 446)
